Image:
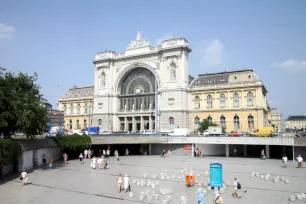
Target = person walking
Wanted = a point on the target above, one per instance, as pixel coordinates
(126, 183)
(169, 153)
(89, 153)
(116, 154)
(235, 152)
(237, 187)
(200, 196)
(119, 182)
(126, 152)
(24, 177)
(94, 162)
(50, 161)
(81, 158)
(45, 160)
(285, 161)
(163, 153)
(103, 152)
(100, 161)
(65, 156)
(300, 161)
(263, 154)
(107, 153)
(85, 154)
(105, 164)
(218, 198)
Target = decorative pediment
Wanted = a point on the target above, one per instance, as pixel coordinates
(139, 42)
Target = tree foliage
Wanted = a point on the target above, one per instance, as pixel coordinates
(21, 105)
(205, 124)
(73, 142)
(9, 148)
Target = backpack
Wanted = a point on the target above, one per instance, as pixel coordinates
(238, 185)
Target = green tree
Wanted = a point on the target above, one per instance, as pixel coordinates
(205, 124)
(21, 107)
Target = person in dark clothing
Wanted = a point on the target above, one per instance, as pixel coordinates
(163, 153)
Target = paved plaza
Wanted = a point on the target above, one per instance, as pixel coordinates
(77, 183)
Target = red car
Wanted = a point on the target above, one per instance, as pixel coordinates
(235, 134)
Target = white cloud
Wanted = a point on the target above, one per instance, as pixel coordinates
(291, 65)
(6, 31)
(162, 38)
(213, 53)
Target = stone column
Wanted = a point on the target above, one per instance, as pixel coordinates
(227, 150)
(245, 150)
(293, 153)
(125, 124)
(192, 149)
(267, 151)
(141, 123)
(150, 149)
(150, 123)
(133, 125)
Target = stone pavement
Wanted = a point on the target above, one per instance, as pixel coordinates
(77, 183)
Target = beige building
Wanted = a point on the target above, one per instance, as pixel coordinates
(296, 122)
(235, 100)
(276, 119)
(77, 105)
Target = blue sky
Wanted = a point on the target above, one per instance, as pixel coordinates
(59, 39)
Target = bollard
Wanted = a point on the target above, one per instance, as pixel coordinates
(131, 194)
(303, 195)
(262, 176)
(282, 178)
(157, 183)
(153, 185)
(287, 181)
(292, 197)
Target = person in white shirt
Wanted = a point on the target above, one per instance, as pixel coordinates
(300, 161)
(24, 177)
(89, 154)
(237, 187)
(126, 183)
(81, 158)
(93, 163)
(85, 153)
(285, 161)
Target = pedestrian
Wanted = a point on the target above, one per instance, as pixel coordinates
(50, 161)
(300, 161)
(202, 153)
(237, 187)
(85, 154)
(163, 153)
(94, 162)
(200, 196)
(104, 154)
(263, 154)
(45, 160)
(126, 183)
(100, 161)
(285, 161)
(24, 177)
(108, 153)
(235, 152)
(126, 152)
(119, 182)
(81, 158)
(65, 156)
(89, 153)
(218, 198)
(105, 164)
(169, 153)
(100, 152)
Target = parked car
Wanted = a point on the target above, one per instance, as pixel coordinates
(299, 134)
(214, 130)
(235, 134)
(304, 134)
(148, 132)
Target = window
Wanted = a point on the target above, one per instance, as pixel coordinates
(78, 108)
(171, 123)
(222, 122)
(209, 119)
(236, 122)
(222, 101)
(85, 108)
(209, 101)
(235, 78)
(209, 80)
(172, 71)
(78, 124)
(250, 122)
(250, 77)
(222, 79)
(102, 80)
(250, 99)
(85, 124)
(100, 122)
(65, 108)
(197, 123)
(236, 100)
(70, 124)
(196, 102)
(71, 108)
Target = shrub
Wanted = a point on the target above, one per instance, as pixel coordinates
(73, 142)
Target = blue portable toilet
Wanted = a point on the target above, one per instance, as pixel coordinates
(216, 175)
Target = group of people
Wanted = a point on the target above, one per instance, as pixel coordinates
(198, 153)
(123, 182)
(164, 153)
(50, 161)
(299, 159)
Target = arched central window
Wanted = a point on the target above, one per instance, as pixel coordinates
(236, 100)
(222, 122)
(222, 101)
(209, 119)
(197, 102)
(236, 122)
(196, 123)
(78, 108)
(78, 124)
(250, 99)
(70, 124)
(85, 124)
(100, 122)
(71, 108)
(250, 122)
(209, 101)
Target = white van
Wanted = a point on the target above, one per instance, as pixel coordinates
(179, 132)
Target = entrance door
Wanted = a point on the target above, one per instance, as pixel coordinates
(138, 126)
(122, 127)
(130, 127)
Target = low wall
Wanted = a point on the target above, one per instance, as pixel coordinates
(7, 169)
(176, 149)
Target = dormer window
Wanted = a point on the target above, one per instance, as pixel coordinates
(235, 78)
(209, 80)
(250, 77)
(222, 79)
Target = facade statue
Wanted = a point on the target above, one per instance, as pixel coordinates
(133, 107)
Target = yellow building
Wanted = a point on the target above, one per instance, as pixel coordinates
(296, 122)
(235, 100)
(77, 105)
